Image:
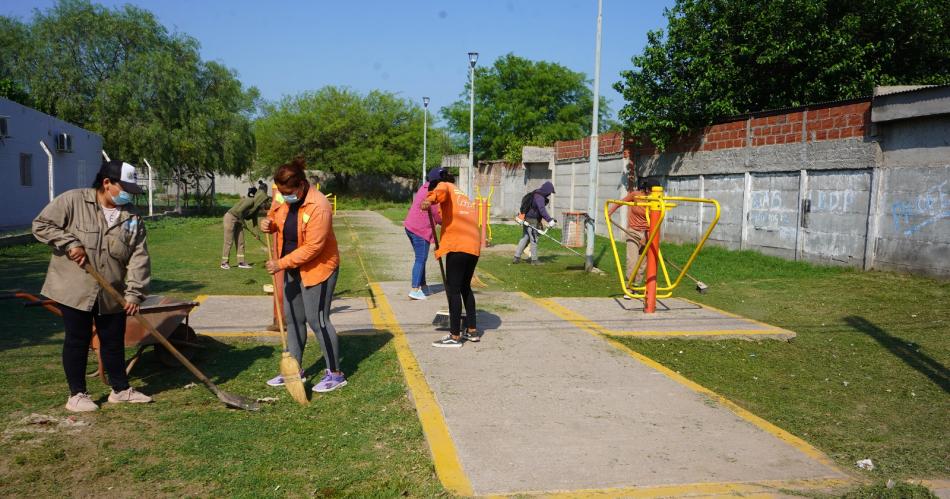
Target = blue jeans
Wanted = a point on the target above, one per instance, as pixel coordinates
(421, 248)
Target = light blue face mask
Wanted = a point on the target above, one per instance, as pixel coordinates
(122, 199)
(290, 198)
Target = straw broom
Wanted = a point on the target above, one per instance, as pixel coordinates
(289, 367)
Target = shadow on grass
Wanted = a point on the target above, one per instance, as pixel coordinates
(219, 361)
(159, 286)
(902, 349)
(24, 327)
(353, 351)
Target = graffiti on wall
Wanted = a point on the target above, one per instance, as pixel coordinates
(833, 201)
(933, 205)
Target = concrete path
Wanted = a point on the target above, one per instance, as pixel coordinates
(539, 405)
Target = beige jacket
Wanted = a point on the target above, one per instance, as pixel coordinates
(119, 252)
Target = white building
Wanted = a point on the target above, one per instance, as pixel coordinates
(27, 181)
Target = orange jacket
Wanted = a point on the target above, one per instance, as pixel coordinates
(317, 255)
(459, 224)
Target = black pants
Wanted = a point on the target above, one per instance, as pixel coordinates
(111, 331)
(459, 269)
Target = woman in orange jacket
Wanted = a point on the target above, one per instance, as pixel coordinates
(460, 246)
(311, 262)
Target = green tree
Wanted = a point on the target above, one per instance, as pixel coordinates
(146, 91)
(521, 102)
(345, 133)
(726, 57)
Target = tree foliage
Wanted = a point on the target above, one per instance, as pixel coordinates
(345, 133)
(121, 74)
(521, 102)
(727, 57)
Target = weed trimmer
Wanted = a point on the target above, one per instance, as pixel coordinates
(545, 234)
(229, 399)
(289, 367)
(701, 287)
(441, 319)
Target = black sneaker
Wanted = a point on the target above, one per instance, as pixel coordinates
(516, 260)
(473, 336)
(448, 342)
(535, 262)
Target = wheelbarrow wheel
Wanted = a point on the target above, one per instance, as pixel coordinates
(184, 338)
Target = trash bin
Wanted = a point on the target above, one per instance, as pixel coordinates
(574, 228)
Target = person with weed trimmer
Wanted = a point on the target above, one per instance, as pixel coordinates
(460, 247)
(96, 227)
(245, 209)
(310, 259)
(420, 233)
(534, 218)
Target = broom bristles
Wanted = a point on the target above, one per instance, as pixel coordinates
(478, 283)
(290, 370)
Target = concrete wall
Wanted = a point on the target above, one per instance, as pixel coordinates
(821, 183)
(19, 204)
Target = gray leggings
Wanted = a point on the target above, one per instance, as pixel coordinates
(310, 305)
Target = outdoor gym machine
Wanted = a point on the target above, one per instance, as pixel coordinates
(657, 205)
(484, 210)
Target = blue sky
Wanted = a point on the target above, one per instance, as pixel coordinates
(409, 47)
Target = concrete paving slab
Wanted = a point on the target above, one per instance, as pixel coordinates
(674, 318)
(223, 315)
(540, 405)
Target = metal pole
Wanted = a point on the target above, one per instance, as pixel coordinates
(149, 186)
(594, 149)
(49, 171)
(471, 131)
(425, 133)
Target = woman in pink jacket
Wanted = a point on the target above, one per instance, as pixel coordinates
(420, 233)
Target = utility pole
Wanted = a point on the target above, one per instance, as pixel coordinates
(594, 149)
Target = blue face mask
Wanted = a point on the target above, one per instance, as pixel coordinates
(291, 198)
(122, 199)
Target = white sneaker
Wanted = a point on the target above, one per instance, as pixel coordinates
(81, 402)
(417, 294)
(129, 395)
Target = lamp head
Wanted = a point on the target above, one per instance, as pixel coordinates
(472, 58)
(425, 102)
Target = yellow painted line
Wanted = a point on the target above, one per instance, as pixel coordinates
(766, 488)
(201, 298)
(594, 329)
(724, 332)
(448, 466)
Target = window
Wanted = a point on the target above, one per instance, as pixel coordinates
(26, 170)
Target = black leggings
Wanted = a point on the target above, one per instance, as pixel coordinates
(111, 331)
(459, 269)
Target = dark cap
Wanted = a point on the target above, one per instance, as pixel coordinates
(124, 173)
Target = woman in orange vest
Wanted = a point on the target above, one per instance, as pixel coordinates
(310, 261)
(460, 245)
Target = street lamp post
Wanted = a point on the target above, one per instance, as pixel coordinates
(594, 149)
(472, 59)
(425, 133)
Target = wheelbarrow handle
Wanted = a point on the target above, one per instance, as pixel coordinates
(39, 303)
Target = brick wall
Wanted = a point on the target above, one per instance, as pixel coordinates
(608, 143)
(820, 123)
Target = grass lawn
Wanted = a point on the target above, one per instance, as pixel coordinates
(362, 441)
